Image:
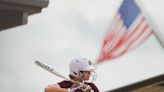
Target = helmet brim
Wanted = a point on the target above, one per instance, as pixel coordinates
(89, 68)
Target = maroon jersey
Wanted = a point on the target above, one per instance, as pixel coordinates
(68, 84)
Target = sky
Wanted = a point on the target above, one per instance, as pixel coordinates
(69, 29)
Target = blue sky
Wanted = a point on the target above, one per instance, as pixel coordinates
(68, 29)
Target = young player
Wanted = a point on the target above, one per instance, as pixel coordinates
(81, 70)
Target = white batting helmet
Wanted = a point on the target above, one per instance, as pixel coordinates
(80, 64)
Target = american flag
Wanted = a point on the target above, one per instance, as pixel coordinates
(128, 30)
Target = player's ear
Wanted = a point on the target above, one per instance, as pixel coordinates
(80, 73)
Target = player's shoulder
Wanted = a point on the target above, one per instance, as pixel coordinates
(90, 83)
(65, 84)
(66, 81)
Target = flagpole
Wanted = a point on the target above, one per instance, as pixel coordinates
(156, 31)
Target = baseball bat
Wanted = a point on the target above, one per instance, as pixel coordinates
(50, 69)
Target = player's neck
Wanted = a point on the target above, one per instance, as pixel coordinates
(79, 80)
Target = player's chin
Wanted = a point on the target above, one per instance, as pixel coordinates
(87, 78)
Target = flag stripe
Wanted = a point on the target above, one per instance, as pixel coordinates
(112, 33)
(110, 43)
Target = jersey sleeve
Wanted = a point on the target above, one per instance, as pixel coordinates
(94, 87)
(65, 84)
